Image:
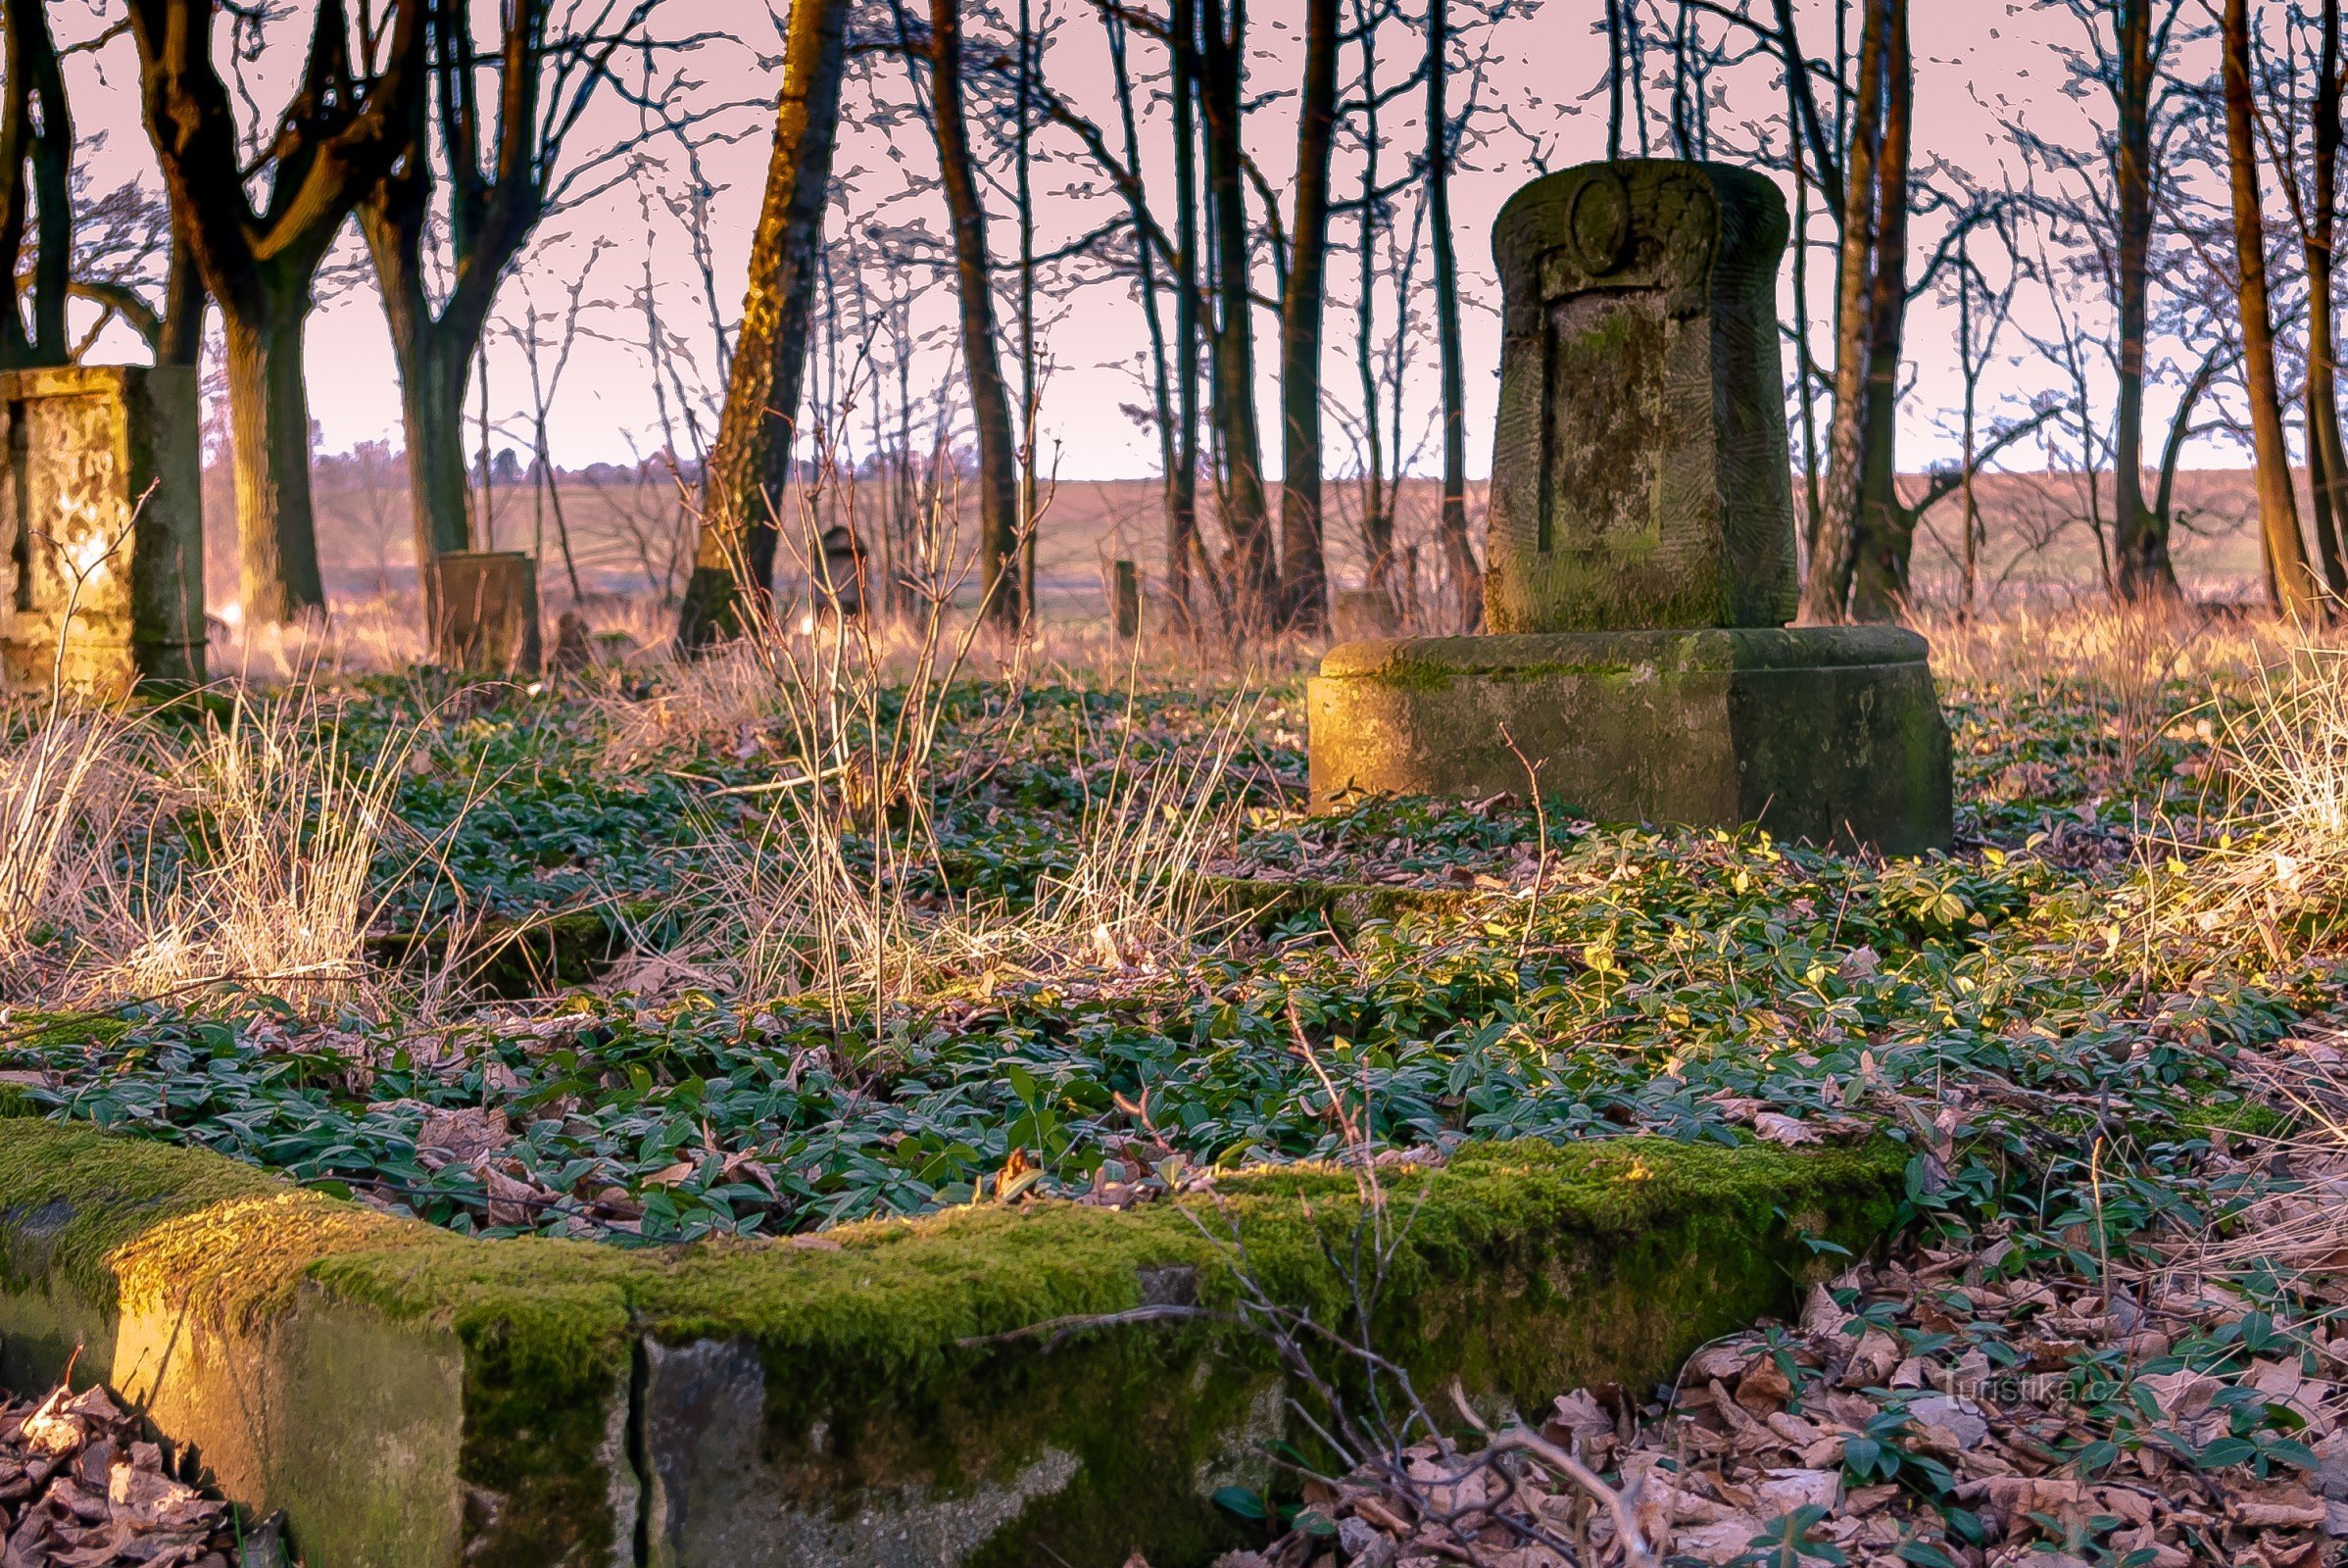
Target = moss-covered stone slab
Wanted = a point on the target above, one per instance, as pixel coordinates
(1833, 734)
(414, 1399)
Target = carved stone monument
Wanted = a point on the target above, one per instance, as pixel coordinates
(1640, 554)
(101, 530)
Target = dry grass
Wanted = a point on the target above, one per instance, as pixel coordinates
(66, 784)
(134, 864)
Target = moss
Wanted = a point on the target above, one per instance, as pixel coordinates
(1526, 1267)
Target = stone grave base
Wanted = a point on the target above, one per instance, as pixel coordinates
(1831, 734)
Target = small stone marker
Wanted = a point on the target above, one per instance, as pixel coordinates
(1639, 472)
(1640, 549)
(842, 587)
(101, 530)
(488, 611)
(1127, 599)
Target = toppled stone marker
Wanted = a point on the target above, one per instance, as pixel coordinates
(101, 530)
(1640, 546)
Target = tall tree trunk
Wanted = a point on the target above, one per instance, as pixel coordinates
(1303, 574)
(1145, 258)
(974, 284)
(1467, 578)
(2139, 536)
(37, 139)
(1255, 574)
(2290, 584)
(269, 421)
(2328, 460)
(180, 341)
(1617, 53)
(1887, 529)
(1377, 518)
(749, 466)
(1182, 477)
(1026, 196)
(1825, 596)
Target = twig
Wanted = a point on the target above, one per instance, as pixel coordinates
(1059, 1329)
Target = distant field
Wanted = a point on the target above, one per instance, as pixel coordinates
(630, 536)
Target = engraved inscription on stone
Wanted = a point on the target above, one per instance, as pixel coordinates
(1639, 473)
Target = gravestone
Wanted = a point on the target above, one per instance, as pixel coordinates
(1640, 554)
(101, 530)
(488, 611)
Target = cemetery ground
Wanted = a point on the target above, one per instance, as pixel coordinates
(915, 979)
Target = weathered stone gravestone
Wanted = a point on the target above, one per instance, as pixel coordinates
(488, 611)
(1640, 554)
(102, 525)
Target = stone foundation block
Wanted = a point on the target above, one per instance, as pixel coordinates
(1831, 734)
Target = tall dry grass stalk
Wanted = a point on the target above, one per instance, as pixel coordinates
(277, 888)
(66, 780)
(2278, 874)
(821, 898)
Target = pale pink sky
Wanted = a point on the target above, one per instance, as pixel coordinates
(1977, 62)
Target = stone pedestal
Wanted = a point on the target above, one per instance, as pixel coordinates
(488, 611)
(101, 530)
(1831, 734)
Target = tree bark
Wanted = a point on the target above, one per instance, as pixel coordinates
(1182, 478)
(1254, 575)
(1303, 572)
(2327, 458)
(1887, 529)
(2139, 536)
(36, 153)
(1467, 577)
(989, 400)
(749, 466)
(269, 422)
(1825, 596)
(2290, 584)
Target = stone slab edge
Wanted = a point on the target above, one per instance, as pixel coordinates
(413, 1397)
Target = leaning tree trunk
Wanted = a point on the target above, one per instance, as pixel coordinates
(1825, 596)
(1303, 572)
(2290, 585)
(268, 419)
(1887, 529)
(1467, 578)
(751, 462)
(989, 400)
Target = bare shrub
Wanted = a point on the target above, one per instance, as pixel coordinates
(65, 790)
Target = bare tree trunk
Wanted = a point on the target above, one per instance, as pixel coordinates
(1377, 518)
(1825, 596)
(1145, 257)
(1617, 56)
(269, 421)
(1303, 572)
(1254, 572)
(180, 340)
(1887, 530)
(2328, 461)
(1182, 477)
(1467, 577)
(2139, 537)
(749, 466)
(1026, 196)
(36, 138)
(2291, 586)
(990, 399)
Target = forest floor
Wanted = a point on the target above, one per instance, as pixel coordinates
(882, 942)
